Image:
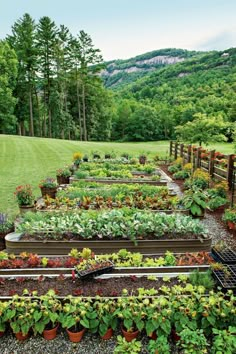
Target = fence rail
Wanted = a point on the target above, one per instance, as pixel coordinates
(219, 166)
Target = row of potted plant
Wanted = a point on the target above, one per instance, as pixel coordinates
(134, 314)
(118, 223)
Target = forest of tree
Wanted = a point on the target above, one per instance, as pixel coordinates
(51, 86)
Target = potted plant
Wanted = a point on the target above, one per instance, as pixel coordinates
(77, 158)
(6, 226)
(230, 217)
(159, 346)
(63, 175)
(25, 198)
(132, 318)
(195, 200)
(21, 315)
(76, 316)
(107, 321)
(50, 307)
(123, 346)
(48, 187)
(85, 158)
(142, 159)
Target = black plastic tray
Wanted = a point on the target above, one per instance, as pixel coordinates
(226, 256)
(226, 281)
(85, 274)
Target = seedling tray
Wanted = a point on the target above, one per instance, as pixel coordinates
(90, 273)
(226, 279)
(226, 256)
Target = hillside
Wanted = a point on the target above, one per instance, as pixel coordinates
(151, 107)
(118, 73)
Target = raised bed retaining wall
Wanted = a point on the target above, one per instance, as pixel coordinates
(15, 245)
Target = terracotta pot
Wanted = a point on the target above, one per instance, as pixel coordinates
(51, 192)
(21, 336)
(75, 337)
(108, 334)
(175, 336)
(129, 336)
(50, 334)
(25, 208)
(153, 335)
(63, 180)
(231, 225)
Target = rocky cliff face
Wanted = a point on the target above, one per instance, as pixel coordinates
(141, 65)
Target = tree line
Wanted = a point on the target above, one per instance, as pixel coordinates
(49, 84)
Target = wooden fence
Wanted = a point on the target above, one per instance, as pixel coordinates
(219, 166)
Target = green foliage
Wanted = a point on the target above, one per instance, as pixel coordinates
(159, 345)
(193, 341)
(8, 73)
(202, 278)
(195, 200)
(224, 341)
(123, 346)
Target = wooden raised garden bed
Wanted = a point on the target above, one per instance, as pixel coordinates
(14, 244)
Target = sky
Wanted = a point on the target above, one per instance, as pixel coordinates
(125, 28)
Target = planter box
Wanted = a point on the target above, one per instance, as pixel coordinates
(226, 256)
(121, 181)
(15, 245)
(226, 281)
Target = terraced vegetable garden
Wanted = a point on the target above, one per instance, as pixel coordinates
(121, 257)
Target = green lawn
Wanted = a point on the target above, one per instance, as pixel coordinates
(28, 160)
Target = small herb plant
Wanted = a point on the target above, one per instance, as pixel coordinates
(224, 341)
(48, 182)
(193, 341)
(160, 346)
(133, 347)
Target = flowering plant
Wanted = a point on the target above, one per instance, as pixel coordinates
(48, 182)
(64, 172)
(24, 195)
(77, 157)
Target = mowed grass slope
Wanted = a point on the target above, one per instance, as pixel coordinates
(26, 160)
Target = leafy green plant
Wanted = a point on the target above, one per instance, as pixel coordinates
(205, 279)
(224, 341)
(193, 341)
(124, 347)
(195, 200)
(6, 224)
(216, 202)
(63, 172)
(160, 345)
(78, 313)
(230, 215)
(48, 182)
(105, 310)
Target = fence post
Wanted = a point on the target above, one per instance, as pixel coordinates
(230, 170)
(171, 144)
(181, 150)
(198, 162)
(189, 153)
(211, 163)
(176, 150)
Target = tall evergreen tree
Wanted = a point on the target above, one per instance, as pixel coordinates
(23, 42)
(8, 73)
(46, 43)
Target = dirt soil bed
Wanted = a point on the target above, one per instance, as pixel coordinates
(67, 286)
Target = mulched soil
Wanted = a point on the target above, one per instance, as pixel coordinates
(91, 287)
